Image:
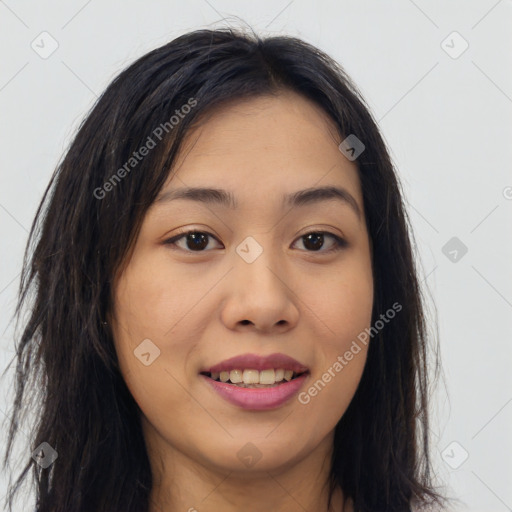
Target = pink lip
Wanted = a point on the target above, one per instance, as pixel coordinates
(257, 398)
(256, 362)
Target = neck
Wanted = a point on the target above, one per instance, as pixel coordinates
(181, 482)
(232, 494)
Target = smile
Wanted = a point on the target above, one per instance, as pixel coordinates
(253, 378)
(256, 395)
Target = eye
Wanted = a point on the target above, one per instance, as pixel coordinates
(196, 241)
(315, 240)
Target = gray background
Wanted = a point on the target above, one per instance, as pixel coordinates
(444, 114)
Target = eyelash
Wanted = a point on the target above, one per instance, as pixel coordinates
(340, 243)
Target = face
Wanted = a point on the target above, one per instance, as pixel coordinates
(267, 276)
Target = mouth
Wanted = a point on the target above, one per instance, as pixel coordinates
(256, 382)
(256, 390)
(251, 378)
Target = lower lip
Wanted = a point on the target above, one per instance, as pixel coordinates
(257, 398)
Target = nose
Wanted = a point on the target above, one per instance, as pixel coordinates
(260, 296)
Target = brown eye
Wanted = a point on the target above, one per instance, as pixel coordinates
(195, 241)
(314, 241)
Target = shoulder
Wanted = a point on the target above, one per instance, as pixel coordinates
(348, 506)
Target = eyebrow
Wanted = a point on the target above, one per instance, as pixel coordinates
(308, 196)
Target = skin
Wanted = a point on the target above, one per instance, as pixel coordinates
(200, 308)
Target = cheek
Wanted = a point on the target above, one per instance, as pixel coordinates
(340, 301)
(158, 299)
(329, 392)
(152, 318)
(342, 309)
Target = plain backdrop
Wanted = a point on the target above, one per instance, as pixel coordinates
(438, 78)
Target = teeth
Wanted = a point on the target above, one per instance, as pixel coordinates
(250, 377)
(235, 376)
(267, 377)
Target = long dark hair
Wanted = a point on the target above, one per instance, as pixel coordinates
(87, 222)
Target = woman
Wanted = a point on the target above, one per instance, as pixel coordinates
(227, 314)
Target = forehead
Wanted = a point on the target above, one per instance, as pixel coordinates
(263, 149)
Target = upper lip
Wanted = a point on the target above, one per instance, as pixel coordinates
(257, 362)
